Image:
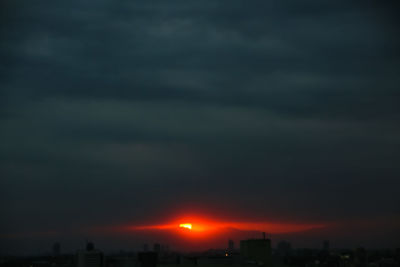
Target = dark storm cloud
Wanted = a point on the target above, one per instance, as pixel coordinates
(193, 53)
(288, 108)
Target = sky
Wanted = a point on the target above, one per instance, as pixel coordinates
(134, 113)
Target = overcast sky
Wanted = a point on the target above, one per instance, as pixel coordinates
(116, 112)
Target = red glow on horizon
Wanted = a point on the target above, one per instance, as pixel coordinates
(199, 226)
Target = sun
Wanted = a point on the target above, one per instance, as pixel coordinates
(186, 225)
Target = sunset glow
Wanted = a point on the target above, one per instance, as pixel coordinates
(201, 226)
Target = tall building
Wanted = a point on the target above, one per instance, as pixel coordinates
(90, 257)
(148, 259)
(360, 257)
(284, 249)
(157, 248)
(325, 245)
(231, 245)
(258, 250)
(56, 249)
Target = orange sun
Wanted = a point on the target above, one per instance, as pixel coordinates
(186, 225)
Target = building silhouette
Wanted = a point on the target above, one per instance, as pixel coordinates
(157, 248)
(360, 257)
(231, 245)
(325, 245)
(90, 257)
(148, 259)
(56, 249)
(284, 249)
(257, 250)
